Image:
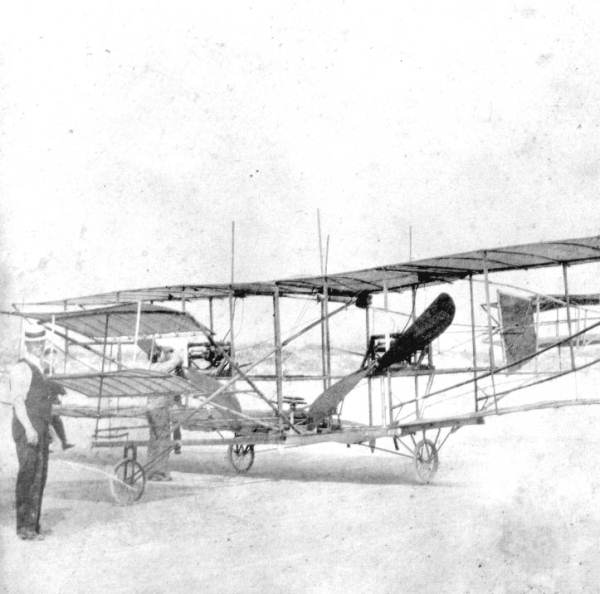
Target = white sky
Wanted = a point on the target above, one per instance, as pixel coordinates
(133, 133)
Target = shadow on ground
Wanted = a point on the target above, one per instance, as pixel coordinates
(308, 466)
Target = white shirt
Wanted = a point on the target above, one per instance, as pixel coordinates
(167, 366)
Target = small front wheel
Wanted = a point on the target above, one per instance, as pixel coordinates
(241, 456)
(129, 482)
(426, 460)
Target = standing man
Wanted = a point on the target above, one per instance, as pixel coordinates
(32, 413)
(166, 360)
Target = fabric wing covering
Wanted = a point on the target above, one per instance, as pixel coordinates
(550, 302)
(393, 277)
(126, 383)
(120, 321)
(136, 383)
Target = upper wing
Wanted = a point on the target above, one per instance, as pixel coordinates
(122, 321)
(393, 277)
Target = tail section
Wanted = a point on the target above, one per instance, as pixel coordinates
(518, 331)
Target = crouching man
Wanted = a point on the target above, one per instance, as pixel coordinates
(166, 360)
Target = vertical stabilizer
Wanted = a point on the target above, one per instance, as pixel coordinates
(518, 331)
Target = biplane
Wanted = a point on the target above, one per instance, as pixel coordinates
(420, 373)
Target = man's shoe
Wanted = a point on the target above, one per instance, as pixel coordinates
(160, 476)
(26, 534)
(68, 446)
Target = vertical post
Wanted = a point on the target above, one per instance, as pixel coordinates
(119, 364)
(413, 317)
(489, 325)
(327, 330)
(211, 314)
(370, 379)
(387, 383)
(231, 296)
(231, 321)
(136, 333)
(52, 349)
(325, 349)
(569, 322)
(325, 346)
(66, 343)
(278, 354)
(537, 329)
(323, 355)
(186, 360)
(102, 373)
(557, 328)
(473, 341)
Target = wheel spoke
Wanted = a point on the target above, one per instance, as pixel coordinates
(241, 456)
(426, 460)
(129, 482)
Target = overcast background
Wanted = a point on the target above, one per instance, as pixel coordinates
(132, 134)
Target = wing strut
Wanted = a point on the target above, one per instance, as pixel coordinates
(566, 283)
(102, 374)
(489, 326)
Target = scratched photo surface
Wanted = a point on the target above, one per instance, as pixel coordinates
(148, 144)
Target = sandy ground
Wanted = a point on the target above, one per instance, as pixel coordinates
(513, 509)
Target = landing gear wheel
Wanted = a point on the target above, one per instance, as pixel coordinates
(129, 482)
(241, 456)
(426, 460)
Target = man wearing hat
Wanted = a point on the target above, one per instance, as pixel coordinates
(162, 358)
(31, 397)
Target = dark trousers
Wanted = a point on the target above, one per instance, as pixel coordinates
(31, 480)
(58, 426)
(158, 451)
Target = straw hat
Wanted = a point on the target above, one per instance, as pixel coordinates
(34, 334)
